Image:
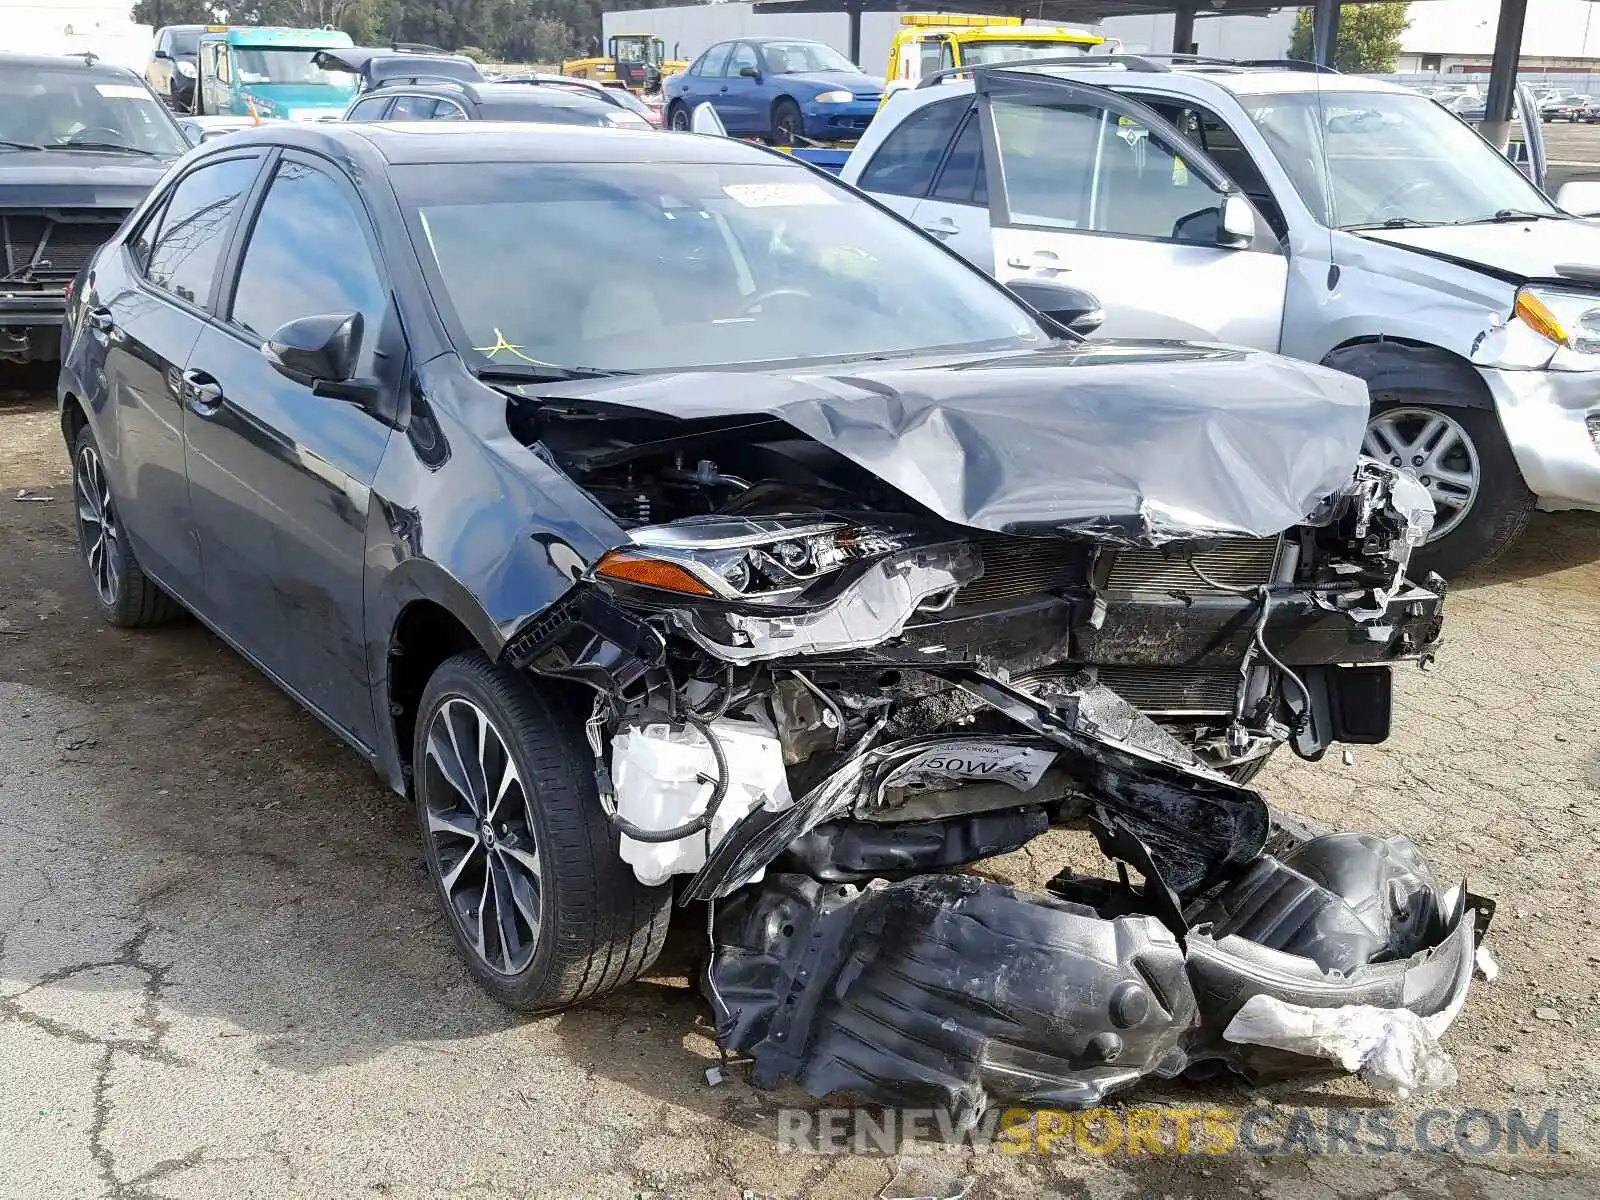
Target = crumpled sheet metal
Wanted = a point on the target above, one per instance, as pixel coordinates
(961, 993)
(1126, 443)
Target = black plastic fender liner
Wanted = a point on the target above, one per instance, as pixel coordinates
(948, 990)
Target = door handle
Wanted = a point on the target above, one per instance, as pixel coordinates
(1037, 260)
(202, 393)
(942, 228)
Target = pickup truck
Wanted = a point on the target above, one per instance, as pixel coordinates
(1338, 219)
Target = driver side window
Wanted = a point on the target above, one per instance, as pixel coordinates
(743, 56)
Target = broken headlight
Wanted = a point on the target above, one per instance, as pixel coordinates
(770, 560)
(746, 589)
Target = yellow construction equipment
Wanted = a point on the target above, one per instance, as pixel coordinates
(638, 61)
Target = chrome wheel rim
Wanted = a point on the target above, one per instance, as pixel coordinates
(482, 837)
(97, 526)
(1434, 449)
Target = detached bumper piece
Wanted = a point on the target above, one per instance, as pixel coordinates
(949, 990)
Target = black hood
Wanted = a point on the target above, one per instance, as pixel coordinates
(1134, 443)
(77, 178)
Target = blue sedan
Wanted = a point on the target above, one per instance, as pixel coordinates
(783, 89)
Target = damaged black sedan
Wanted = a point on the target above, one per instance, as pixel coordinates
(668, 519)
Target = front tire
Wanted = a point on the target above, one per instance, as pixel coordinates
(124, 595)
(1461, 456)
(787, 126)
(678, 116)
(523, 860)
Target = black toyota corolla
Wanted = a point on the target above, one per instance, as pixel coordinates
(659, 513)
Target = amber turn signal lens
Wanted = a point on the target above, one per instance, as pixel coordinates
(649, 572)
(1540, 319)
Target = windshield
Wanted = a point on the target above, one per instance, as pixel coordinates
(63, 106)
(983, 53)
(638, 50)
(185, 43)
(669, 266)
(1366, 159)
(286, 64)
(789, 58)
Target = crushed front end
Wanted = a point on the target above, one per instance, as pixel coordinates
(816, 702)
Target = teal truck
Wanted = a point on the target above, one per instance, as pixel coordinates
(269, 73)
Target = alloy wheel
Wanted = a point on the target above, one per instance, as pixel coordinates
(1437, 451)
(97, 526)
(484, 839)
(680, 119)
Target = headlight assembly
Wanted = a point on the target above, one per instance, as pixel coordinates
(838, 97)
(1566, 320)
(742, 559)
(746, 590)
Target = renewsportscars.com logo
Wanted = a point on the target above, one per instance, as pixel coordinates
(1264, 1129)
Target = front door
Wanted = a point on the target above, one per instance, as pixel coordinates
(280, 477)
(739, 103)
(1091, 189)
(143, 327)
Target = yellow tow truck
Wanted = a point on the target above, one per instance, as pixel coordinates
(929, 42)
(636, 61)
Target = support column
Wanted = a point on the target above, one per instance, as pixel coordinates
(1503, 74)
(852, 10)
(1183, 30)
(1324, 30)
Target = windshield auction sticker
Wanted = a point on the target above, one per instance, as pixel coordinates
(121, 91)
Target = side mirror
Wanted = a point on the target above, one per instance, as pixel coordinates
(162, 54)
(1581, 197)
(320, 352)
(1070, 307)
(704, 119)
(1238, 221)
(750, 72)
(191, 133)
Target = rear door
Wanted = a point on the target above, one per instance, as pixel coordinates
(902, 168)
(956, 208)
(147, 316)
(280, 477)
(1092, 189)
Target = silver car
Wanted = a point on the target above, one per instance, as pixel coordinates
(1333, 218)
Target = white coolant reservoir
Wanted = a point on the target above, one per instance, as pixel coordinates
(657, 771)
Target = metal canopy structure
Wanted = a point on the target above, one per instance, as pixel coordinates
(1325, 29)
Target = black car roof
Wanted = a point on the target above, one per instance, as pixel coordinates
(498, 142)
(67, 62)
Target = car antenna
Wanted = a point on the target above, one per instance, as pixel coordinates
(90, 58)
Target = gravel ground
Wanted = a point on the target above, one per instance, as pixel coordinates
(222, 972)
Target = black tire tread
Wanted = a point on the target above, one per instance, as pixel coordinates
(612, 927)
(141, 602)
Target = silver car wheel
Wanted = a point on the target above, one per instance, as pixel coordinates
(1438, 451)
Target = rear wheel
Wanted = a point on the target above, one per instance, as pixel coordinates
(123, 593)
(523, 860)
(1461, 457)
(786, 123)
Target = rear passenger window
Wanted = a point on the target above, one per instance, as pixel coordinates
(905, 163)
(961, 179)
(194, 228)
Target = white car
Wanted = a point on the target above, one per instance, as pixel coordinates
(1332, 218)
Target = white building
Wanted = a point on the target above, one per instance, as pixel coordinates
(1444, 35)
(73, 27)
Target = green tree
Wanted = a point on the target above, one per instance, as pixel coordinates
(1369, 37)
